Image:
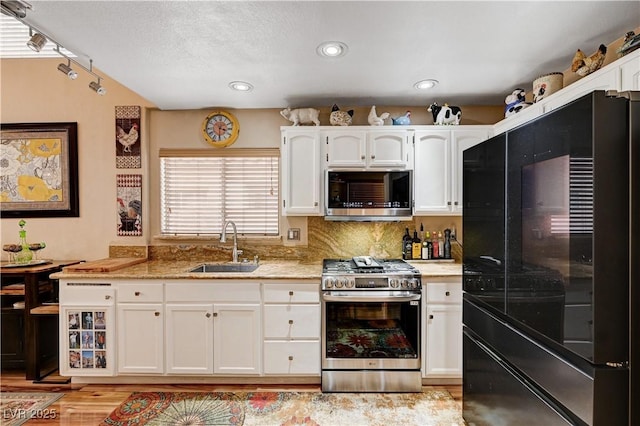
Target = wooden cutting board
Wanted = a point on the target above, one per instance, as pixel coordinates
(105, 265)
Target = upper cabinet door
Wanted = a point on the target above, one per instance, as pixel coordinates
(432, 172)
(346, 149)
(389, 149)
(301, 173)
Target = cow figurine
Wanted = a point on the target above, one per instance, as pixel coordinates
(515, 102)
(445, 114)
(301, 115)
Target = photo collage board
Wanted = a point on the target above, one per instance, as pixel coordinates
(87, 339)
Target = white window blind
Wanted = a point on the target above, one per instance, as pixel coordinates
(198, 193)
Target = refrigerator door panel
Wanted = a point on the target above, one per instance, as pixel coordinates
(595, 394)
(494, 395)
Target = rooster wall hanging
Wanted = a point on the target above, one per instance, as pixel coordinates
(128, 136)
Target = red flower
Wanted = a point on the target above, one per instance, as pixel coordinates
(360, 340)
(261, 401)
(397, 341)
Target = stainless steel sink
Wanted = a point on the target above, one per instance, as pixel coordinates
(225, 267)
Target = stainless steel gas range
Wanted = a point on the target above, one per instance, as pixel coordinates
(371, 336)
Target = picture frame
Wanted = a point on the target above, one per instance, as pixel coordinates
(39, 173)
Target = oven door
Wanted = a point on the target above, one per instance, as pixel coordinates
(371, 330)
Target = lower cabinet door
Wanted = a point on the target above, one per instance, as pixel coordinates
(237, 339)
(87, 347)
(189, 334)
(443, 357)
(140, 338)
(292, 357)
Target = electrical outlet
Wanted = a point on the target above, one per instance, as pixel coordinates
(293, 234)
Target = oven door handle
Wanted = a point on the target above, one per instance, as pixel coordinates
(341, 298)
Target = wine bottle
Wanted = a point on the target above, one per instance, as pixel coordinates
(436, 247)
(440, 245)
(416, 246)
(406, 245)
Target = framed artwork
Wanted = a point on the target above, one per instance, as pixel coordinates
(128, 135)
(129, 205)
(39, 170)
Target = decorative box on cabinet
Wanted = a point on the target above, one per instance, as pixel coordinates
(140, 328)
(301, 172)
(443, 328)
(291, 328)
(438, 167)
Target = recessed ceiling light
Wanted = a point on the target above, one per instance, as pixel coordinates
(332, 49)
(425, 84)
(241, 86)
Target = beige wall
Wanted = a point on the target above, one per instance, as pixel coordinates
(34, 91)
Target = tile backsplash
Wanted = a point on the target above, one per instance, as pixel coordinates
(326, 239)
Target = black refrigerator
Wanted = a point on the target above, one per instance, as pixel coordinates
(550, 268)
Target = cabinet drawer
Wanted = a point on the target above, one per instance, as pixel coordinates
(444, 292)
(89, 294)
(292, 293)
(135, 292)
(213, 292)
(292, 321)
(295, 358)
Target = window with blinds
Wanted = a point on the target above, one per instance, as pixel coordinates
(202, 189)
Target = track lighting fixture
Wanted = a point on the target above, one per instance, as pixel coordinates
(37, 41)
(66, 69)
(18, 10)
(96, 87)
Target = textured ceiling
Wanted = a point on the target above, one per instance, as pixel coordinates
(183, 54)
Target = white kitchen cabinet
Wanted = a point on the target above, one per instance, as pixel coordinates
(213, 327)
(236, 339)
(140, 327)
(301, 172)
(189, 334)
(438, 167)
(291, 327)
(370, 148)
(443, 328)
(87, 325)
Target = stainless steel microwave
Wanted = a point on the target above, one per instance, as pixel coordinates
(368, 195)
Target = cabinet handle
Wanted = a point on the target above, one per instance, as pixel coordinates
(208, 315)
(137, 293)
(290, 321)
(455, 203)
(373, 157)
(448, 293)
(290, 357)
(315, 204)
(448, 203)
(107, 297)
(291, 293)
(215, 314)
(156, 314)
(430, 316)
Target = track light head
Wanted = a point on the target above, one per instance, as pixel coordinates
(96, 87)
(66, 69)
(37, 42)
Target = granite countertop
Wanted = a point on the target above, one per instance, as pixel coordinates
(275, 269)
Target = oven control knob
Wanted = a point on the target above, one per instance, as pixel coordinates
(329, 282)
(350, 283)
(414, 283)
(394, 283)
(340, 282)
(405, 283)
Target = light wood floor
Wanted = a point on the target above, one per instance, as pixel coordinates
(86, 405)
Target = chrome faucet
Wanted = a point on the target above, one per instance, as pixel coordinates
(223, 238)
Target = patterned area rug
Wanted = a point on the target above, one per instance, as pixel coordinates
(18, 407)
(433, 407)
